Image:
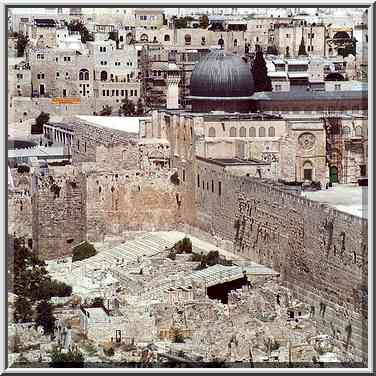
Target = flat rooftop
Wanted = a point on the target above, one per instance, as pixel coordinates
(347, 198)
(228, 162)
(129, 124)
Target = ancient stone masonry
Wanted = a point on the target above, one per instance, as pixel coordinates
(57, 215)
(321, 253)
(130, 201)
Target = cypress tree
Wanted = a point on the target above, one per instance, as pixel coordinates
(260, 72)
(302, 50)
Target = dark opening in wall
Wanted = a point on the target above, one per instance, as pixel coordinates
(219, 188)
(69, 241)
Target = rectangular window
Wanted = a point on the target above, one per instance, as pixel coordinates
(203, 185)
(103, 93)
(212, 186)
(337, 87)
(311, 48)
(108, 93)
(117, 93)
(126, 93)
(64, 92)
(113, 93)
(198, 181)
(122, 93)
(287, 35)
(57, 74)
(183, 175)
(131, 93)
(135, 93)
(219, 188)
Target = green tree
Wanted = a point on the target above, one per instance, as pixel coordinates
(260, 72)
(26, 271)
(50, 288)
(140, 107)
(77, 25)
(71, 359)
(302, 49)
(22, 41)
(40, 120)
(204, 21)
(22, 310)
(106, 110)
(127, 107)
(272, 50)
(45, 317)
(83, 251)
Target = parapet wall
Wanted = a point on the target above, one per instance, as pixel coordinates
(320, 252)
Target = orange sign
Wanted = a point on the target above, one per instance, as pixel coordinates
(65, 101)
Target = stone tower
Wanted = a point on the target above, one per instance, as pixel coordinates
(173, 79)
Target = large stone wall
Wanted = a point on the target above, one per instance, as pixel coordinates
(130, 201)
(57, 214)
(320, 252)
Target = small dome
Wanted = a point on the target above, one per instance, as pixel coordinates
(220, 75)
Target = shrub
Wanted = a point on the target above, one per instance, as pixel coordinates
(109, 352)
(50, 288)
(172, 255)
(23, 169)
(71, 359)
(22, 310)
(45, 317)
(175, 178)
(83, 251)
(183, 246)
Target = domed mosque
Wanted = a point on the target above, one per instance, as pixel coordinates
(221, 82)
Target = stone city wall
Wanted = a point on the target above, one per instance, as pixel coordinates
(57, 214)
(131, 201)
(320, 252)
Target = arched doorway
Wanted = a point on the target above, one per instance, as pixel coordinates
(333, 174)
(308, 171)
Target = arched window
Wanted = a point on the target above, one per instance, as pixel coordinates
(187, 39)
(144, 38)
(166, 38)
(271, 132)
(346, 131)
(235, 43)
(243, 132)
(252, 132)
(358, 131)
(155, 40)
(129, 38)
(232, 132)
(261, 132)
(83, 75)
(307, 171)
(124, 155)
(211, 132)
(103, 76)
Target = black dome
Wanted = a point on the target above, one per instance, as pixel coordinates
(220, 75)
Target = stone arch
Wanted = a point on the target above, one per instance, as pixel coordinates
(358, 131)
(211, 132)
(104, 76)
(307, 170)
(261, 132)
(129, 38)
(252, 132)
(232, 132)
(346, 131)
(242, 132)
(271, 132)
